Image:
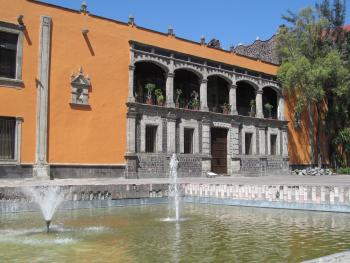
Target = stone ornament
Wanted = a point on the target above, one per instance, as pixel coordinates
(80, 85)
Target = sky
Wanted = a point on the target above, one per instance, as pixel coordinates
(230, 21)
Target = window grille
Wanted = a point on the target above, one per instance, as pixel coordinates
(7, 138)
(151, 138)
(8, 54)
(188, 140)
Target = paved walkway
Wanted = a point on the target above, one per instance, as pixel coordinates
(334, 180)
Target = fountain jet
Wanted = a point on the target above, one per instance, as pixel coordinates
(173, 186)
(48, 222)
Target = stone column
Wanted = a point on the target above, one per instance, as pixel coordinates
(233, 99)
(206, 151)
(41, 167)
(235, 161)
(131, 156)
(170, 90)
(284, 140)
(171, 136)
(259, 106)
(203, 95)
(281, 108)
(262, 139)
(131, 97)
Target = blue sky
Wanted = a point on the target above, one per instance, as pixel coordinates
(230, 21)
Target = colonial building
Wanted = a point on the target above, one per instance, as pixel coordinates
(87, 96)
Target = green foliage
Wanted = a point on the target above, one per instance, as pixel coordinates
(312, 64)
(159, 94)
(343, 138)
(343, 170)
(178, 95)
(268, 107)
(150, 87)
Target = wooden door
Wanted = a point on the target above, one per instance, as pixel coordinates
(219, 150)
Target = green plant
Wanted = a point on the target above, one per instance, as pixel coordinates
(343, 170)
(178, 95)
(268, 107)
(195, 100)
(159, 95)
(150, 87)
(226, 108)
(252, 108)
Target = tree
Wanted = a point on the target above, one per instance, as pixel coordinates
(311, 63)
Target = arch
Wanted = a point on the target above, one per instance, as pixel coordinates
(252, 83)
(148, 72)
(270, 97)
(245, 96)
(276, 88)
(225, 77)
(153, 61)
(188, 82)
(218, 90)
(190, 68)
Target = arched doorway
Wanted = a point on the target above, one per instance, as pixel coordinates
(186, 89)
(245, 96)
(218, 94)
(270, 103)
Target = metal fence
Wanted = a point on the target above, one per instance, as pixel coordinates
(7, 138)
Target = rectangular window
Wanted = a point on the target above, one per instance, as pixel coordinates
(151, 138)
(248, 143)
(188, 140)
(8, 54)
(7, 138)
(273, 144)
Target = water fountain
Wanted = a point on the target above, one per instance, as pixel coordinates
(173, 186)
(48, 199)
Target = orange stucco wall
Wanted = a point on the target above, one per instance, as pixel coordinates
(97, 134)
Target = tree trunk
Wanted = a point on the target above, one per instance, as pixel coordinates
(319, 153)
(312, 139)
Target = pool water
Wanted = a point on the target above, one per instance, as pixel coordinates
(206, 233)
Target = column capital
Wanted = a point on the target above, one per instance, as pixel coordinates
(204, 80)
(170, 74)
(260, 91)
(171, 117)
(206, 121)
(233, 86)
(131, 113)
(131, 67)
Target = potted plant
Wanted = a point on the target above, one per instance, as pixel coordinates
(160, 97)
(268, 107)
(226, 108)
(252, 108)
(195, 100)
(149, 87)
(177, 100)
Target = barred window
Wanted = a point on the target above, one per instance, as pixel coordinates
(273, 144)
(8, 54)
(188, 140)
(248, 144)
(7, 138)
(151, 138)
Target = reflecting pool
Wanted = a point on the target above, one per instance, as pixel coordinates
(206, 233)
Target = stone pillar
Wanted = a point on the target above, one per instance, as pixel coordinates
(259, 106)
(131, 97)
(203, 95)
(171, 136)
(284, 140)
(206, 151)
(262, 139)
(281, 108)
(235, 161)
(131, 156)
(233, 99)
(170, 90)
(41, 167)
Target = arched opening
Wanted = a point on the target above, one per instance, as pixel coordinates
(218, 94)
(149, 83)
(186, 89)
(245, 95)
(270, 103)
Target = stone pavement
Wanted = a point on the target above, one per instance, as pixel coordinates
(334, 180)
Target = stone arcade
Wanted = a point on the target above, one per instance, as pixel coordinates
(246, 139)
